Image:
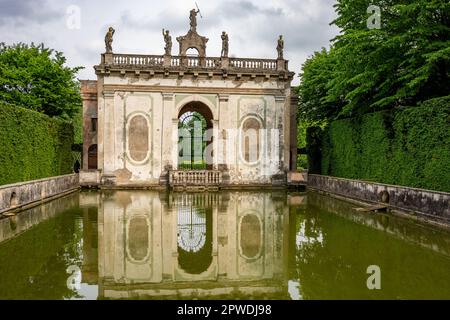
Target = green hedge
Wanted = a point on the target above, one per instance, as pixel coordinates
(407, 146)
(32, 145)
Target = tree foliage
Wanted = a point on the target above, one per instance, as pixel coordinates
(365, 70)
(35, 77)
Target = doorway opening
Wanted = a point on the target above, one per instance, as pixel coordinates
(195, 119)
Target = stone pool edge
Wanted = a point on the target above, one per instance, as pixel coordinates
(431, 207)
(23, 195)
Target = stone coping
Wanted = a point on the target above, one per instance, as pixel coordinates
(381, 184)
(18, 184)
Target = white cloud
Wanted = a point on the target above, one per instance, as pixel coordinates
(253, 27)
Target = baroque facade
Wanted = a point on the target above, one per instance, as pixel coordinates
(136, 111)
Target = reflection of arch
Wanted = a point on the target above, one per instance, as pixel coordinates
(138, 239)
(194, 238)
(250, 236)
(250, 142)
(195, 118)
(92, 157)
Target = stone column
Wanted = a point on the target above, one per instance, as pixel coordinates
(174, 144)
(221, 148)
(215, 144)
(108, 133)
(167, 131)
(281, 102)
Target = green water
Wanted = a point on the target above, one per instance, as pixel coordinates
(224, 245)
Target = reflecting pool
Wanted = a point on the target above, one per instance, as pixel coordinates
(219, 245)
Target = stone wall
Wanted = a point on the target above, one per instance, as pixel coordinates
(427, 204)
(15, 225)
(90, 125)
(20, 194)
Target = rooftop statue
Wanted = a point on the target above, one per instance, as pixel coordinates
(280, 47)
(168, 41)
(224, 44)
(193, 19)
(109, 39)
(192, 39)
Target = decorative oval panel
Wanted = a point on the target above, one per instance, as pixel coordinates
(138, 140)
(250, 236)
(138, 238)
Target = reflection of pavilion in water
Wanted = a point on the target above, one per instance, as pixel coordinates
(186, 245)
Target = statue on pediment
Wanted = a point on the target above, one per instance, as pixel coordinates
(168, 42)
(109, 39)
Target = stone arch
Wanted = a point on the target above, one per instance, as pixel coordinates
(189, 52)
(194, 120)
(196, 98)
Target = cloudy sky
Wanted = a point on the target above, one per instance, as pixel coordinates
(253, 26)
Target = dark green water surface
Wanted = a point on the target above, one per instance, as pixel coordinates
(224, 245)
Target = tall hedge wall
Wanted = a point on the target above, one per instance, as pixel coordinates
(32, 145)
(405, 146)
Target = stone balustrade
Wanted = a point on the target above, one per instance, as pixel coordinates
(195, 62)
(195, 178)
(259, 64)
(137, 60)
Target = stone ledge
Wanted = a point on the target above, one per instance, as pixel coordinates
(22, 194)
(426, 204)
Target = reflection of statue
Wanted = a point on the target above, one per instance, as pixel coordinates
(193, 18)
(168, 41)
(224, 44)
(280, 47)
(109, 39)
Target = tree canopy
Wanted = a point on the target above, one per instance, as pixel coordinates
(403, 62)
(35, 77)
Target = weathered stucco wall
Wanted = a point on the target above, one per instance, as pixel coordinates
(20, 194)
(431, 205)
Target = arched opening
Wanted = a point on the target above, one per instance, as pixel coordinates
(92, 157)
(192, 52)
(195, 119)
